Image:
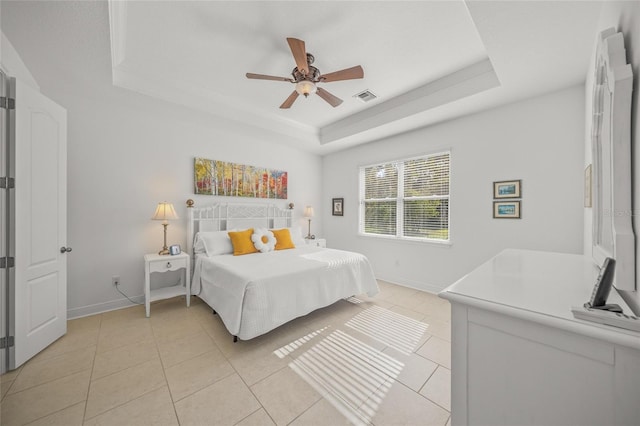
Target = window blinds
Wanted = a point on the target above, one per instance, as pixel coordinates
(408, 198)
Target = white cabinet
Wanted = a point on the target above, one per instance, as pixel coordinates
(317, 242)
(162, 263)
(520, 357)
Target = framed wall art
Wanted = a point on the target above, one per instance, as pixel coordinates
(337, 206)
(507, 189)
(506, 209)
(212, 177)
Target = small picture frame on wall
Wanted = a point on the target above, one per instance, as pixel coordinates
(506, 209)
(337, 206)
(174, 249)
(587, 187)
(507, 189)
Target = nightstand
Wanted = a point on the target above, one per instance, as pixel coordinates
(318, 242)
(158, 263)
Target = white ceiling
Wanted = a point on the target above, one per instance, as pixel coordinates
(428, 61)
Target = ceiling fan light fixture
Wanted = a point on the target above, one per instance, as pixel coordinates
(306, 88)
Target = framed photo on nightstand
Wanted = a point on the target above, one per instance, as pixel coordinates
(175, 249)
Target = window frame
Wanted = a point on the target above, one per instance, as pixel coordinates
(400, 199)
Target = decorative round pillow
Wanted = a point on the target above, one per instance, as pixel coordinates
(263, 240)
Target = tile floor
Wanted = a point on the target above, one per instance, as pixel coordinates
(383, 361)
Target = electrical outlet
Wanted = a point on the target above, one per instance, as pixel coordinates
(115, 280)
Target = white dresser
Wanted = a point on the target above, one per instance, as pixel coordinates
(520, 358)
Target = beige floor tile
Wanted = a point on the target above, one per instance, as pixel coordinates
(323, 413)
(418, 316)
(226, 402)
(121, 387)
(121, 358)
(37, 372)
(439, 328)
(438, 350)
(5, 385)
(173, 328)
(21, 407)
(85, 323)
(403, 297)
(192, 375)
(70, 416)
(176, 351)
(259, 418)
(415, 369)
(256, 366)
(115, 337)
(438, 388)
(285, 395)
(72, 341)
(402, 406)
(153, 408)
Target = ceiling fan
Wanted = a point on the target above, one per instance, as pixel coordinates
(305, 76)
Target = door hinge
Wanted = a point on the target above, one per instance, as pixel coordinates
(7, 262)
(6, 342)
(7, 103)
(7, 182)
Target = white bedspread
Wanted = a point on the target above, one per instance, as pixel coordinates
(257, 292)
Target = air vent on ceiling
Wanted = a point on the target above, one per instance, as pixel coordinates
(365, 96)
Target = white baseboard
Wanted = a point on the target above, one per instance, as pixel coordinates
(416, 285)
(100, 308)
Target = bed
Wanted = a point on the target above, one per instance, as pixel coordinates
(255, 293)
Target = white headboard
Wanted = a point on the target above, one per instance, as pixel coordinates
(226, 216)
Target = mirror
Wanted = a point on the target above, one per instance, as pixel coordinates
(610, 141)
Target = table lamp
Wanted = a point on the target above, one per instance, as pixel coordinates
(165, 212)
(308, 213)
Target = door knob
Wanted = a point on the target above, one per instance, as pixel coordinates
(65, 249)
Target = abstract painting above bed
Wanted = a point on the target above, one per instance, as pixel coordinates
(212, 177)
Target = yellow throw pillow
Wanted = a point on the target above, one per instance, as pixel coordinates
(242, 243)
(283, 239)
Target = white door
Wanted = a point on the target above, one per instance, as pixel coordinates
(40, 218)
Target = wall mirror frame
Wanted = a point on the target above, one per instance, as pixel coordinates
(611, 148)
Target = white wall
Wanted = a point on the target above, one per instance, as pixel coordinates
(127, 153)
(539, 141)
(625, 17)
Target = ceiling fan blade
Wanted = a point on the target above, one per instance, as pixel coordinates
(299, 54)
(290, 100)
(346, 74)
(268, 77)
(334, 101)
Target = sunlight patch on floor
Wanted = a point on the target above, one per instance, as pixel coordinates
(291, 347)
(395, 330)
(351, 375)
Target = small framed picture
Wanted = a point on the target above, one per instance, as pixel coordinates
(507, 189)
(175, 249)
(506, 209)
(337, 206)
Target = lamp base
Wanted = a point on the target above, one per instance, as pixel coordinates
(163, 252)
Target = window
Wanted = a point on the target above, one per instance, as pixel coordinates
(406, 199)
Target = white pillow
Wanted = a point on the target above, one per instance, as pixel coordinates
(296, 236)
(213, 243)
(263, 240)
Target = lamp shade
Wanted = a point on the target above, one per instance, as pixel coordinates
(308, 211)
(306, 88)
(165, 211)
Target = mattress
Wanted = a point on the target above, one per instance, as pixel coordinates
(258, 292)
